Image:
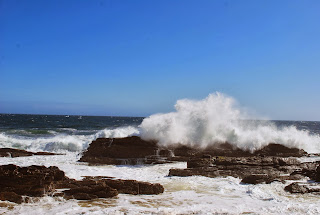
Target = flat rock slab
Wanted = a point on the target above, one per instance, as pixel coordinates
(9, 152)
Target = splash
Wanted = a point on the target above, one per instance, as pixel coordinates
(218, 119)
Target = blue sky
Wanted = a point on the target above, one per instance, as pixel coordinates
(136, 58)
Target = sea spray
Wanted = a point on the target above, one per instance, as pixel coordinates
(217, 119)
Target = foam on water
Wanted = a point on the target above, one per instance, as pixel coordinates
(183, 195)
(216, 119)
(62, 142)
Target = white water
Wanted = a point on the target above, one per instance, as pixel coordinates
(62, 142)
(200, 123)
(195, 123)
(183, 195)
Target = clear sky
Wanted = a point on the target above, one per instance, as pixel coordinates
(135, 58)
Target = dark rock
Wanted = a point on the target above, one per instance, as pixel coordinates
(279, 150)
(122, 186)
(36, 181)
(11, 197)
(296, 188)
(118, 150)
(30, 181)
(199, 162)
(9, 152)
(258, 179)
(133, 150)
(317, 174)
(135, 187)
(90, 190)
(253, 169)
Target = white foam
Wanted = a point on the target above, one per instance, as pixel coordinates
(62, 142)
(183, 195)
(199, 123)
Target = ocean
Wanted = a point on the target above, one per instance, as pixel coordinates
(70, 135)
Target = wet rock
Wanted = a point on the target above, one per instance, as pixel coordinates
(298, 187)
(133, 150)
(29, 181)
(258, 179)
(37, 181)
(11, 197)
(253, 170)
(118, 150)
(9, 152)
(135, 187)
(200, 162)
(90, 190)
(279, 150)
(317, 174)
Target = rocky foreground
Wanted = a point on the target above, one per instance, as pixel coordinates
(274, 162)
(133, 150)
(18, 184)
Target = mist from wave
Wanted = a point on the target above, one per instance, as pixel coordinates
(218, 119)
(195, 123)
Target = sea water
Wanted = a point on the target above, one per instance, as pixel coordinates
(206, 123)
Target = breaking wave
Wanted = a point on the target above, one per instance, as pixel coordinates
(62, 142)
(217, 119)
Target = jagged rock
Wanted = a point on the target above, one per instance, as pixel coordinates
(29, 181)
(36, 181)
(9, 152)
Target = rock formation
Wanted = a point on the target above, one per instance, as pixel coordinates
(133, 150)
(36, 181)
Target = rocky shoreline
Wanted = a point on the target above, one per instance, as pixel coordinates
(18, 184)
(272, 163)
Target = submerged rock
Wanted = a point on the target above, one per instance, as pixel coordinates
(37, 181)
(9, 152)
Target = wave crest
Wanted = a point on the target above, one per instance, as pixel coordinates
(216, 119)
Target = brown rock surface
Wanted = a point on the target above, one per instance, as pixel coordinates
(252, 169)
(133, 150)
(298, 187)
(36, 181)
